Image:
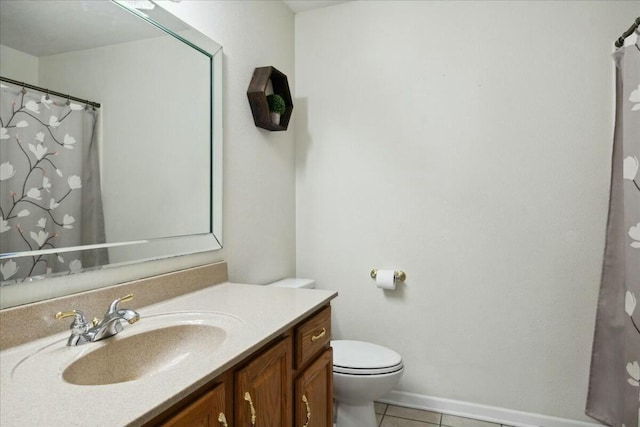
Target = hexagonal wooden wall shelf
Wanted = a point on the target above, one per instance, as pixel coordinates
(258, 97)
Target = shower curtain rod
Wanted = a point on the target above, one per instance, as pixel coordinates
(627, 33)
(50, 92)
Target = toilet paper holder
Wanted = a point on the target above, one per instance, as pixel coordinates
(398, 275)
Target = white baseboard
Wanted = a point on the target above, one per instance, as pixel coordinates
(492, 414)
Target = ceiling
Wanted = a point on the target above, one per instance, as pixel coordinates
(49, 20)
(302, 5)
(49, 27)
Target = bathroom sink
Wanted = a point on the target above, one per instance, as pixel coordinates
(153, 347)
(144, 354)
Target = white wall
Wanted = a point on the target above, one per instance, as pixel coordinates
(468, 144)
(18, 65)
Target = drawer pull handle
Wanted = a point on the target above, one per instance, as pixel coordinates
(247, 397)
(320, 335)
(222, 420)
(306, 402)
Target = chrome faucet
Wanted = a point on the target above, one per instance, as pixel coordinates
(81, 333)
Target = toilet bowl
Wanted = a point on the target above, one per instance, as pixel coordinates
(362, 373)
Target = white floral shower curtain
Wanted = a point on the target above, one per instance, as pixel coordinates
(614, 384)
(49, 184)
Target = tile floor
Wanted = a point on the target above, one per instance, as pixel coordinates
(397, 416)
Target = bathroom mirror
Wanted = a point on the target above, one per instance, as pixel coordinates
(151, 182)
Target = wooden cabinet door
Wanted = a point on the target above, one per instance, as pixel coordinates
(314, 393)
(204, 412)
(262, 396)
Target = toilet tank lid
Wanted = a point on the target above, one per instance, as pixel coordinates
(294, 282)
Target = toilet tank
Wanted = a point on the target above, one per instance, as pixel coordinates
(294, 282)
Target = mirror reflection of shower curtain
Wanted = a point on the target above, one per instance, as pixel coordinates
(614, 383)
(49, 184)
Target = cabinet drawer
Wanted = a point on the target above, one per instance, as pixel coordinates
(312, 336)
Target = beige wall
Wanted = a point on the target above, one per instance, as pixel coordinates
(468, 144)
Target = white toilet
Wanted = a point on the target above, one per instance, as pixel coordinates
(362, 373)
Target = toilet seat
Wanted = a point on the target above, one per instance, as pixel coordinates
(364, 358)
(370, 372)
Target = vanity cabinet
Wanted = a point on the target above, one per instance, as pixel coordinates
(208, 411)
(286, 383)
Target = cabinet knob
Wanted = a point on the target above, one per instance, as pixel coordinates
(222, 420)
(247, 397)
(315, 338)
(306, 402)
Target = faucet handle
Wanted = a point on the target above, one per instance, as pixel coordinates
(79, 324)
(78, 327)
(113, 307)
(79, 316)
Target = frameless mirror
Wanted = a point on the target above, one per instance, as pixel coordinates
(110, 143)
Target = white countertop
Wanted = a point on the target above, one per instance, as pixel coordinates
(38, 396)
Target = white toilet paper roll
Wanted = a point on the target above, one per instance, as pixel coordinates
(385, 279)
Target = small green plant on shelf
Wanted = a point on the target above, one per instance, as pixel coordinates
(276, 107)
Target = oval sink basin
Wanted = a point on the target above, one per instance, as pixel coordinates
(142, 355)
(154, 346)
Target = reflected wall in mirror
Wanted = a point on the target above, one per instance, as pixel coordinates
(110, 144)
